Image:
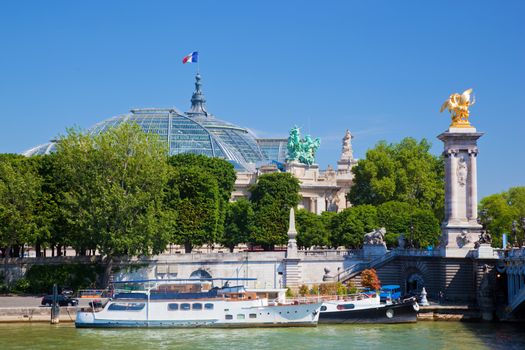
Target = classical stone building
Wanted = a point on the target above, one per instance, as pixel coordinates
(320, 190)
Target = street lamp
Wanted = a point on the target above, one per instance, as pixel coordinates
(523, 229)
(411, 234)
(515, 232)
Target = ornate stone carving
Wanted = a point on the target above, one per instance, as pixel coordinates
(347, 153)
(484, 238)
(376, 237)
(461, 171)
(462, 239)
(328, 277)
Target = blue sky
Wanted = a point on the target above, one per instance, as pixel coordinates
(379, 68)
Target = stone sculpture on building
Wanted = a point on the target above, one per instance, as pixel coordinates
(347, 152)
(458, 106)
(302, 150)
(374, 244)
(376, 237)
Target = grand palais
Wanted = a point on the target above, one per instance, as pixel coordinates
(200, 132)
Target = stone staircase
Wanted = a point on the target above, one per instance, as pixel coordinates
(356, 269)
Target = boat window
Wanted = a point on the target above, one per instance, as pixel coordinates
(229, 317)
(126, 307)
(345, 306)
(197, 306)
(240, 316)
(208, 306)
(323, 308)
(185, 306)
(173, 307)
(253, 315)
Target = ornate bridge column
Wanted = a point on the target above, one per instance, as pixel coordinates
(460, 229)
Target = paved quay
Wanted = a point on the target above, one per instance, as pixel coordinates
(28, 309)
(30, 301)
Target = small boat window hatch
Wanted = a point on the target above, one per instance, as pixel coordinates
(126, 307)
(344, 307)
(240, 316)
(253, 316)
(229, 317)
(173, 307)
(208, 306)
(185, 306)
(197, 306)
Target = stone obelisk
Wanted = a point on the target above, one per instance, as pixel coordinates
(292, 266)
(460, 229)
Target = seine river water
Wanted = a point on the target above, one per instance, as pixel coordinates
(423, 335)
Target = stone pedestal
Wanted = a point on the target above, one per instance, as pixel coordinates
(372, 251)
(292, 273)
(460, 229)
(485, 251)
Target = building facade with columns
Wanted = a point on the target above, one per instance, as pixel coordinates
(321, 190)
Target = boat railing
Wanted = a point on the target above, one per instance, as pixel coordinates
(322, 298)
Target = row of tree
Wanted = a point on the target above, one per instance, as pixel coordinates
(119, 193)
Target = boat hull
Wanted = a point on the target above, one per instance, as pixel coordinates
(395, 313)
(303, 315)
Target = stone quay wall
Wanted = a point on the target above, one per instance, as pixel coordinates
(267, 267)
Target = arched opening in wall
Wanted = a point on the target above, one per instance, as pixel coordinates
(414, 284)
(200, 273)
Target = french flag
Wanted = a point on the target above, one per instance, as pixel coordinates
(192, 57)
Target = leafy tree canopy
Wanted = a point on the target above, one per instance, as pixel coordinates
(239, 223)
(420, 227)
(405, 172)
(197, 206)
(498, 211)
(113, 190)
(20, 190)
(313, 229)
(272, 197)
(350, 225)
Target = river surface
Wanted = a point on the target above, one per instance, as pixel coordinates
(422, 335)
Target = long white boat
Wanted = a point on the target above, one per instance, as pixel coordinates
(193, 303)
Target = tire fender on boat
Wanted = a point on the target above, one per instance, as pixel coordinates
(416, 306)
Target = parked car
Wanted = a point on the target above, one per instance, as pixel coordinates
(62, 300)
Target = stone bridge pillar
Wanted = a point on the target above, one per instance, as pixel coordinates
(460, 229)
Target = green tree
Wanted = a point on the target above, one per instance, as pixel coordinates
(221, 170)
(350, 225)
(113, 191)
(272, 197)
(20, 190)
(312, 229)
(239, 223)
(197, 207)
(499, 210)
(404, 172)
(420, 227)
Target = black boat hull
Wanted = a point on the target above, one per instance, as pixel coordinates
(405, 312)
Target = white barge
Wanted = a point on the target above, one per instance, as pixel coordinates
(194, 303)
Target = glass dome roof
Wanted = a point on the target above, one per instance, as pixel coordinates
(196, 131)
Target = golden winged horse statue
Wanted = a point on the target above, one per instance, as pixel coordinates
(458, 106)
